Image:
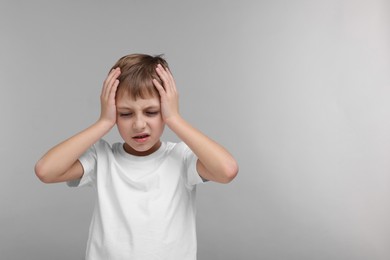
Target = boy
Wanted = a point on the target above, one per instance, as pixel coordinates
(145, 206)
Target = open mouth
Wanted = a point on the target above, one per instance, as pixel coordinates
(141, 137)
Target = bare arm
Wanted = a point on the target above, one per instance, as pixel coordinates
(215, 163)
(61, 162)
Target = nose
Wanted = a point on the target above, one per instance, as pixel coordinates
(139, 123)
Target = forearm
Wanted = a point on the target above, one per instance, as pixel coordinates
(60, 158)
(60, 162)
(219, 164)
(214, 162)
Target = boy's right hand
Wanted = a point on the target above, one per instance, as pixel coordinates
(107, 97)
(61, 162)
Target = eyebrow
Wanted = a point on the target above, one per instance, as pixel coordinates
(148, 107)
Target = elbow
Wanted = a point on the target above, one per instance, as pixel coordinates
(230, 172)
(41, 173)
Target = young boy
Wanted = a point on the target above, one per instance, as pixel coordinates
(145, 206)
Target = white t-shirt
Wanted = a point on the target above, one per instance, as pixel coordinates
(145, 206)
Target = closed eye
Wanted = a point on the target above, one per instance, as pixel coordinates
(125, 114)
(152, 113)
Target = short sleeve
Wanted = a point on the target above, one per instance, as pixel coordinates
(193, 177)
(88, 161)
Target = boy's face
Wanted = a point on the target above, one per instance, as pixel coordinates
(140, 124)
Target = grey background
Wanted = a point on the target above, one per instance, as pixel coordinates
(297, 90)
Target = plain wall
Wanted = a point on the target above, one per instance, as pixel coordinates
(298, 91)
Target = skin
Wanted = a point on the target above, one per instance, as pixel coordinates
(138, 118)
(141, 123)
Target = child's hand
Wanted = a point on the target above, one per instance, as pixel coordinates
(107, 97)
(169, 96)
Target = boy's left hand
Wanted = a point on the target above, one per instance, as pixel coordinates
(169, 97)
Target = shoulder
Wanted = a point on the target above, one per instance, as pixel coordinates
(174, 147)
(179, 150)
(102, 143)
(180, 146)
(101, 146)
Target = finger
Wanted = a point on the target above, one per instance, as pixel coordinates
(113, 90)
(111, 75)
(113, 80)
(106, 82)
(169, 77)
(159, 87)
(110, 81)
(161, 72)
(168, 73)
(167, 82)
(171, 80)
